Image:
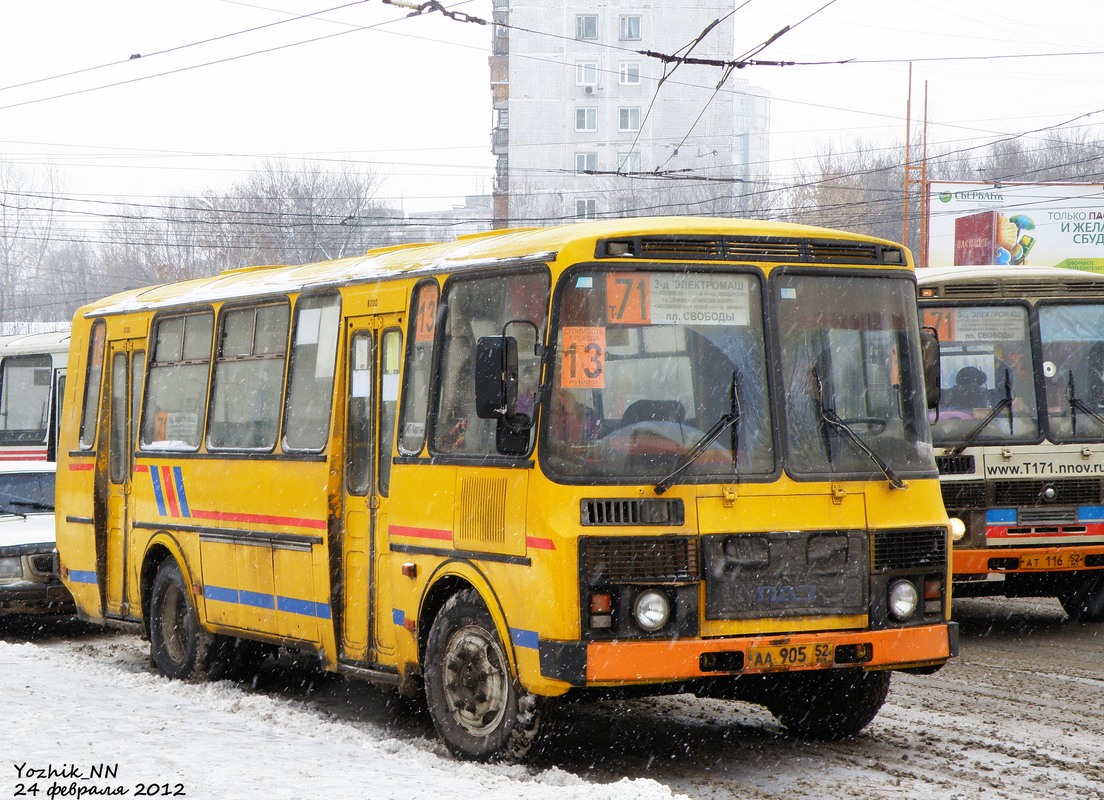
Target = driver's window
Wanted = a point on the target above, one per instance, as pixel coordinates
(477, 308)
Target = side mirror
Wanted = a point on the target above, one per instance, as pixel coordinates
(929, 349)
(496, 377)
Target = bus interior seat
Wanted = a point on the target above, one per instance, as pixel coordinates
(653, 411)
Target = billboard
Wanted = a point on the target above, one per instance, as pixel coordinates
(1036, 224)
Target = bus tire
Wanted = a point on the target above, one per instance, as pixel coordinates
(1083, 601)
(832, 704)
(477, 707)
(179, 647)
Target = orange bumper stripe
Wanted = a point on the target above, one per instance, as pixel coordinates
(675, 660)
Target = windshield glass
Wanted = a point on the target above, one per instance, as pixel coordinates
(850, 354)
(644, 364)
(1072, 337)
(984, 355)
(26, 492)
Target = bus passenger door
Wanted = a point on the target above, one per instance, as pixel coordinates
(124, 393)
(374, 351)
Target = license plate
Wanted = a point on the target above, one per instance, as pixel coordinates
(789, 655)
(1045, 561)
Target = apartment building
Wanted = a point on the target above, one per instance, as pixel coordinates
(586, 125)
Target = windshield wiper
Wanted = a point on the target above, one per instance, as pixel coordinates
(1006, 403)
(35, 505)
(710, 436)
(1077, 404)
(833, 419)
(830, 417)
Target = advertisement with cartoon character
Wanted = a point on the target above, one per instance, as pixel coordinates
(1050, 225)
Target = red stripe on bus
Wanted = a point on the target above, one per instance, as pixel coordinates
(141, 467)
(539, 544)
(260, 519)
(77, 467)
(170, 492)
(419, 533)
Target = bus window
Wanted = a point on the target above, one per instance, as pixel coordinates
(476, 308)
(92, 386)
(851, 388)
(310, 378)
(390, 357)
(25, 385)
(248, 378)
(358, 475)
(173, 416)
(419, 362)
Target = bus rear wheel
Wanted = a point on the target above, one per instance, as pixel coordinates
(832, 704)
(1084, 600)
(179, 647)
(476, 706)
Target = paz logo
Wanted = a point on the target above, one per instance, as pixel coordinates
(944, 197)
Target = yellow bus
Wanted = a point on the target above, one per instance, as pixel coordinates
(651, 455)
(1020, 429)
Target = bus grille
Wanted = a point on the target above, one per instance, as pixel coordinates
(1046, 515)
(963, 494)
(1085, 491)
(955, 465)
(751, 248)
(636, 558)
(601, 511)
(922, 549)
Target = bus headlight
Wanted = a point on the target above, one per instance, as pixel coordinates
(903, 600)
(958, 529)
(651, 610)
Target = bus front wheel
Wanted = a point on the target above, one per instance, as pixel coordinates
(828, 704)
(178, 645)
(476, 706)
(1084, 600)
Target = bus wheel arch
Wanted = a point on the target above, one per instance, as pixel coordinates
(475, 701)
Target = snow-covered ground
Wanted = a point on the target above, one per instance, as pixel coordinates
(92, 702)
(1019, 715)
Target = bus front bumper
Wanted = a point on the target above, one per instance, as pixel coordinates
(620, 663)
(1002, 560)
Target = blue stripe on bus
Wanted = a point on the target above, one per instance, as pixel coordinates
(256, 599)
(178, 479)
(398, 616)
(290, 605)
(82, 576)
(221, 594)
(307, 608)
(157, 494)
(524, 638)
(1001, 516)
(1090, 514)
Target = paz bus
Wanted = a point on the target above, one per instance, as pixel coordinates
(641, 456)
(32, 380)
(1020, 429)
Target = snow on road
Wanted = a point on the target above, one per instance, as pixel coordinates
(1018, 716)
(97, 703)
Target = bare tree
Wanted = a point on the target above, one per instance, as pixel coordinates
(28, 215)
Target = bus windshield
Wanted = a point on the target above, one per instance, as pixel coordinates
(645, 364)
(665, 373)
(1072, 337)
(849, 350)
(985, 362)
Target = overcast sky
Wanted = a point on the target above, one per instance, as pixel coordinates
(222, 85)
